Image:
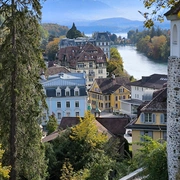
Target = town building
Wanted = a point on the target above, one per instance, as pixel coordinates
(66, 95)
(107, 92)
(88, 59)
(141, 91)
(151, 120)
(99, 39)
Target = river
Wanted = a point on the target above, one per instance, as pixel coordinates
(138, 65)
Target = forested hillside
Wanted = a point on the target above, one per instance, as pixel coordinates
(55, 29)
(154, 43)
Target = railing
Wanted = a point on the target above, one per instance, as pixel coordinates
(134, 175)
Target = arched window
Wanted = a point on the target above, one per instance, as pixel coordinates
(67, 91)
(76, 91)
(58, 91)
(174, 34)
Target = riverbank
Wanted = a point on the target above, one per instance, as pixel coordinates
(138, 65)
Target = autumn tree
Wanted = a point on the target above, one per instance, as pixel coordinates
(115, 64)
(156, 10)
(4, 170)
(21, 94)
(52, 48)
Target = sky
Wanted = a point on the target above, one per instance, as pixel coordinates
(69, 9)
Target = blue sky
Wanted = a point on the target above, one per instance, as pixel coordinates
(80, 10)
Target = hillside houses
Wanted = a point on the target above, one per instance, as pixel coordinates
(87, 59)
(142, 90)
(66, 95)
(107, 92)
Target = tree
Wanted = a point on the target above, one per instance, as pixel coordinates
(115, 64)
(152, 156)
(21, 94)
(52, 48)
(52, 124)
(4, 171)
(156, 10)
(73, 33)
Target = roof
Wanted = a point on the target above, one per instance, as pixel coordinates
(110, 85)
(51, 136)
(56, 70)
(102, 36)
(72, 121)
(65, 79)
(158, 103)
(114, 125)
(174, 10)
(70, 56)
(155, 81)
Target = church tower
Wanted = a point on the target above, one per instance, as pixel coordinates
(173, 94)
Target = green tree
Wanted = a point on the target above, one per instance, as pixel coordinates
(73, 33)
(52, 124)
(152, 156)
(21, 93)
(115, 64)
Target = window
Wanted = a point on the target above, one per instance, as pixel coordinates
(76, 91)
(67, 91)
(68, 114)
(163, 118)
(91, 64)
(100, 71)
(146, 133)
(116, 105)
(116, 98)
(77, 114)
(59, 115)
(58, 92)
(121, 90)
(58, 104)
(68, 104)
(148, 118)
(81, 65)
(77, 104)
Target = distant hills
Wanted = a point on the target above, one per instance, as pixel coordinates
(95, 15)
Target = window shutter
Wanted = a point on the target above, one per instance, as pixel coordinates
(142, 117)
(153, 118)
(141, 135)
(162, 118)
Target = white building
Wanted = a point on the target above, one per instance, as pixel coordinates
(66, 95)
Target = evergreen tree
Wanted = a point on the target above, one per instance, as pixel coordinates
(21, 93)
(73, 33)
(52, 124)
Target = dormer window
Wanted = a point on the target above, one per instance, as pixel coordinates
(76, 91)
(67, 91)
(58, 92)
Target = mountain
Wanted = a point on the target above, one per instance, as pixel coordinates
(95, 15)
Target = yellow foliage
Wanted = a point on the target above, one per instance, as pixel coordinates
(88, 131)
(4, 170)
(178, 14)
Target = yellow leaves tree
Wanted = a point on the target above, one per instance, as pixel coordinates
(4, 170)
(87, 131)
(52, 49)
